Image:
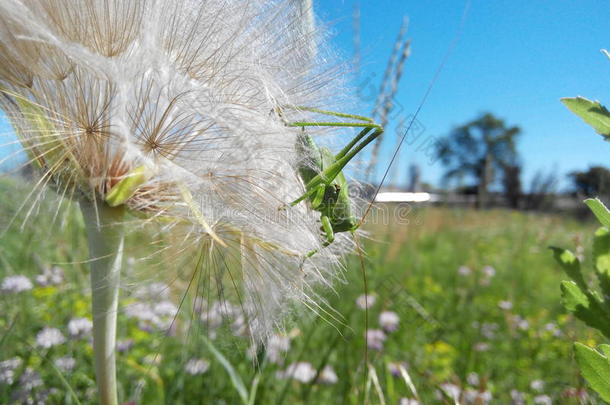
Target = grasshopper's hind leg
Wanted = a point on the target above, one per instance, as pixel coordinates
(328, 230)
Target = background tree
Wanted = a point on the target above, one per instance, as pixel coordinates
(592, 183)
(479, 150)
(511, 182)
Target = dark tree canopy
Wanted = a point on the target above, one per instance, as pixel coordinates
(593, 182)
(479, 150)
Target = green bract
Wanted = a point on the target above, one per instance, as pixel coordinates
(592, 112)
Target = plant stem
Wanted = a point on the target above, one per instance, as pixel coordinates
(105, 235)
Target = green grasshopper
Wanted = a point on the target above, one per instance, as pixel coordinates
(326, 188)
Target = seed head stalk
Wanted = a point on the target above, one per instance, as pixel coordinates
(105, 235)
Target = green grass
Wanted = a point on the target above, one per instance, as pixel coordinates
(412, 269)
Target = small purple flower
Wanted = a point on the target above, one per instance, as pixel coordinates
(537, 385)
(464, 271)
(389, 321)
(328, 376)
(505, 305)
(473, 379)
(49, 337)
(50, 276)
(489, 271)
(517, 397)
(452, 391)
(16, 284)
(277, 347)
(543, 400)
(65, 364)
(79, 327)
(375, 339)
(7, 370)
(196, 366)
(365, 301)
(301, 371)
(476, 397)
(481, 347)
(124, 345)
(395, 368)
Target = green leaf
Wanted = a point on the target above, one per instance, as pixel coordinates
(127, 187)
(599, 210)
(236, 380)
(570, 264)
(601, 258)
(605, 350)
(595, 368)
(592, 112)
(586, 306)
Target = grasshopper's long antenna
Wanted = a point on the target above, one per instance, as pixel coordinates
(437, 74)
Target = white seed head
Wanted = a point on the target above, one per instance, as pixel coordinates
(178, 110)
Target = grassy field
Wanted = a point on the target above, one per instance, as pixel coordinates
(476, 295)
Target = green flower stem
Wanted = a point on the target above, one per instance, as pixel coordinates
(105, 235)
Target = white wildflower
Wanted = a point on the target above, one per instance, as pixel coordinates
(505, 305)
(165, 309)
(301, 371)
(53, 275)
(489, 329)
(537, 385)
(7, 370)
(29, 380)
(464, 271)
(196, 366)
(16, 284)
(276, 348)
(521, 323)
(452, 391)
(408, 401)
(65, 364)
(79, 327)
(49, 337)
(476, 397)
(375, 339)
(481, 347)
(389, 321)
(553, 328)
(152, 292)
(489, 271)
(517, 397)
(543, 400)
(328, 376)
(473, 379)
(190, 99)
(365, 301)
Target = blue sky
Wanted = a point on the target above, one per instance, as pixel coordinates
(515, 59)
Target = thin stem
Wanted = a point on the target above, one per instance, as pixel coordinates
(105, 235)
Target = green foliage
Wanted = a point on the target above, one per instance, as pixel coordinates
(599, 209)
(446, 319)
(595, 367)
(592, 112)
(586, 303)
